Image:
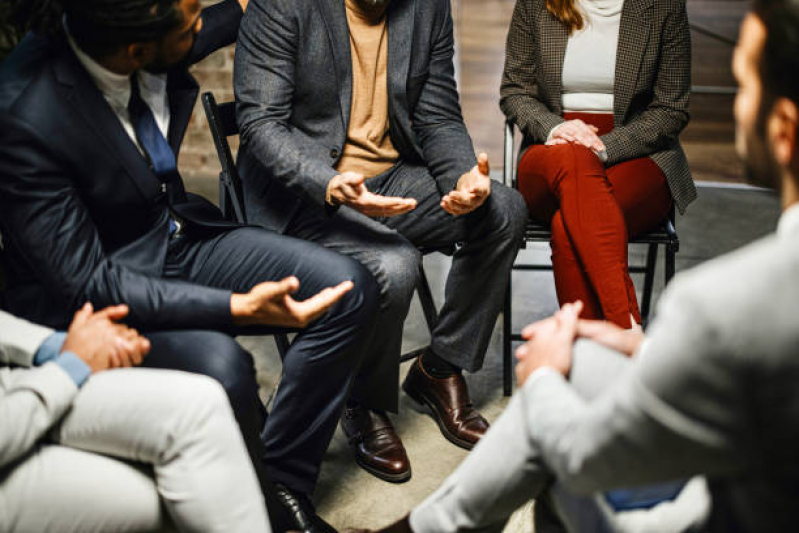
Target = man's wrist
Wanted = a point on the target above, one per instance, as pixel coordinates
(75, 367)
(50, 348)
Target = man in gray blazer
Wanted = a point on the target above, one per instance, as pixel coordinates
(711, 390)
(82, 449)
(352, 137)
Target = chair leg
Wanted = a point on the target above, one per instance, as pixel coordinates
(282, 341)
(426, 299)
(507, 359)
(670, 260)
(224, 202)
(649, 280)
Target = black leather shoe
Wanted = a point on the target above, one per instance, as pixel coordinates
(302, 511)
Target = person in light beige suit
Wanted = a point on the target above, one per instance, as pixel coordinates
(85, 450)
(712, 388)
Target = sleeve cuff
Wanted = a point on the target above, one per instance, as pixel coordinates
(74, 367)
(49, 349)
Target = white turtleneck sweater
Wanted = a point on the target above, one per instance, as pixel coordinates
(589, 66)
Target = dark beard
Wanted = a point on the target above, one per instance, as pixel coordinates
(760, 166)
(373, 4)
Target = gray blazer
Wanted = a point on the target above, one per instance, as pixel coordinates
(31, 400)
(293, 84)
(651, 90)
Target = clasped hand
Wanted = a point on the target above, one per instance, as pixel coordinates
(577, 131)
(549, 341)
(101, 342)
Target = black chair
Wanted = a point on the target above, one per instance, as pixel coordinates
(665, 234)
(222, 122)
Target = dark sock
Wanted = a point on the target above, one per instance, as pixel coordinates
(437, 367)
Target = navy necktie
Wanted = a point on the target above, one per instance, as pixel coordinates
(155, 146)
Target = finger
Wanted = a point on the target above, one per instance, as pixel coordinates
(83, 314)
(376, 200)
(274, 290)
(453, 208)
(315, 306)
(114, 312)
(482, 164)
(353, 179)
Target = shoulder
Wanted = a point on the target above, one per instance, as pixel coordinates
(28, 66)
(747, 297)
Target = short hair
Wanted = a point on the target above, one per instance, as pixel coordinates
(779, 64)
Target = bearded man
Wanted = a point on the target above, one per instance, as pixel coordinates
(352, 137)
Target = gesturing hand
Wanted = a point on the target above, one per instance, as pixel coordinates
(472, 190)
(102, 343)
(348, 189)
(270, 303)
(577, 131)
(549, 343)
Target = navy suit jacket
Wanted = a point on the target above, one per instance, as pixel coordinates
(83, 216)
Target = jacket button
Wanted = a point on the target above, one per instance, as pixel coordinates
(334, 153)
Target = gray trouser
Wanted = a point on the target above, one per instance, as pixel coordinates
(489, 239)
(505, 470)
(139, 450)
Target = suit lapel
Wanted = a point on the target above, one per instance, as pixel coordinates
(335, 18)
(634, 30)
(400, 22)
(87, 100)
(553, 38)
(182, 92)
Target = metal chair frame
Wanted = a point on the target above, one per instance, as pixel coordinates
(665, 234)
(222, 123)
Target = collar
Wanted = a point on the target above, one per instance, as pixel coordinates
(788, 225)
(116, 87)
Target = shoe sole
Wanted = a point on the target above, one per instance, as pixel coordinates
(391, 478)
(423, 402)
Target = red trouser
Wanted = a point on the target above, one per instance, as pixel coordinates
(593, 210)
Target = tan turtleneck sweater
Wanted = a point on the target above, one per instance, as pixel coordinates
(368, 149)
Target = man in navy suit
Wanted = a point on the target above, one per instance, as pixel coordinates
(92, 208)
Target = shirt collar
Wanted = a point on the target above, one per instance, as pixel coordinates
(116, 87)
(788, 225)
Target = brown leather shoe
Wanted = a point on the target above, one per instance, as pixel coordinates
(376, 446)
(448, 399)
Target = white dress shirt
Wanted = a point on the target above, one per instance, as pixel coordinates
(589, 66)
(116, 90)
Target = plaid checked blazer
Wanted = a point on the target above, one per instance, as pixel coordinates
(651, 89)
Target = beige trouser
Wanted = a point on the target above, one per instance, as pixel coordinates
(140, 450)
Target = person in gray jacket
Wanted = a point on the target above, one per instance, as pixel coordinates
(352, 138)
(84, 450)
(712, 388)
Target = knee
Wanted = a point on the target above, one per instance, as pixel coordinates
(362, 299)
(226, 362)
(397, 273)
(510, 211)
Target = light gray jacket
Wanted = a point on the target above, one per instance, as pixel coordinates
(31, 400)
(714, 391)
(293, 84)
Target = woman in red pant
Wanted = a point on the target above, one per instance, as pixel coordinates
(599, 89)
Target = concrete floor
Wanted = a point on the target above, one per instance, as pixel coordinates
(722, 219)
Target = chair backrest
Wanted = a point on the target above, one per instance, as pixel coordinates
(222, 122)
